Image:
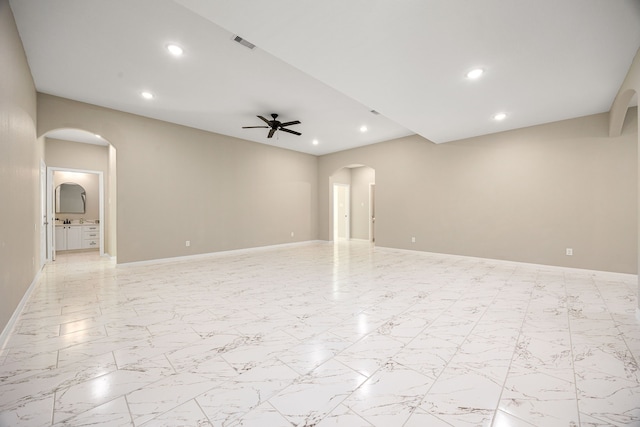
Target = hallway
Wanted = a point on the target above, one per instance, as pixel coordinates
(318, 334)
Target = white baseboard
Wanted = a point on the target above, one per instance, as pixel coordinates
(543, 267)
(106, 255)
(8, 329)
(214, 254)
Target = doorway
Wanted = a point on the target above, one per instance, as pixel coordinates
(341, 212)
(52, 215)
(372, 212)
(352, 203)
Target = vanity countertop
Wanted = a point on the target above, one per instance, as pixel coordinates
(75, 222)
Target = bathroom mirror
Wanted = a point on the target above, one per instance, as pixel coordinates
(70, 198)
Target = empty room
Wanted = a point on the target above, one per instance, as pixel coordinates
(364, 213)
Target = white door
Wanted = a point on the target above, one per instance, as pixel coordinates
(341, 212)
(43, 213)
(372, 213)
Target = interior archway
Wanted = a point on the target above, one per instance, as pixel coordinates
(91, 158)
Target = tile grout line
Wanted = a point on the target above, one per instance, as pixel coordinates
(573, 358)
(513, 355)
(458, 348)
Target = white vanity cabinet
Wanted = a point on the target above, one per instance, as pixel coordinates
(91, 236)
(68, 237)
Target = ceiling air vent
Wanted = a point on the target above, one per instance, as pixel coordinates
(374, 112)
(243, 42)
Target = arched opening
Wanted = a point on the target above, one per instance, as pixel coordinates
(88, 160)
(352, 203)
(619, 119)
(619, 123)
(619, 109)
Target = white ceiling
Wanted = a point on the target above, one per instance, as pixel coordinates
(328, 63)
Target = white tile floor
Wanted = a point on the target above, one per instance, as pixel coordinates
(323, 335)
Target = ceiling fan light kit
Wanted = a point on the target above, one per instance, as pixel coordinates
(275, 125)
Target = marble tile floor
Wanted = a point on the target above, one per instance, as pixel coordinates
(318, 334)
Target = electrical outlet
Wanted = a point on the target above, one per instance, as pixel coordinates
(569, 251)
(187, 243)
(413, 240)
(292, 234)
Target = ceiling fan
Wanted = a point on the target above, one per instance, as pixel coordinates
(274, 125)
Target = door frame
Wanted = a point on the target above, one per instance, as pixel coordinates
(51, 252)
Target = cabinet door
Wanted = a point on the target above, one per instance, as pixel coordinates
(74, 237)
(61, 238)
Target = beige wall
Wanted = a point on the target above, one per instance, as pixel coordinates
(523, 195)
(20, 156)
(75, 155)
(177, 184)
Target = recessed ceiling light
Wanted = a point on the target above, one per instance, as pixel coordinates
(147, 95)
(315, 142)
(175, 50)
(363, 128)
(475, 73)
(98, 136)
(499, 116)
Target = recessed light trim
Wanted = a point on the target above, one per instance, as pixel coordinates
(363, 128)
(499, 117)
(147, 95)
(315, 142)
(174, 49)
(476, 73)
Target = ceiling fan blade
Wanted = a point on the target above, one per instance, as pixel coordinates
(290, 131)
(271, 132)
(263, 119)
(295, 122)
(255, 127)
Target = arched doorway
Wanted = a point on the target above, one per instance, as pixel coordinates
(79, 155)
(352, 200)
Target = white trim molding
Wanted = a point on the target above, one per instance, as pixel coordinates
(8, 329)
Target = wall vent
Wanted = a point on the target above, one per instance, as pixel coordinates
(243, 42)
